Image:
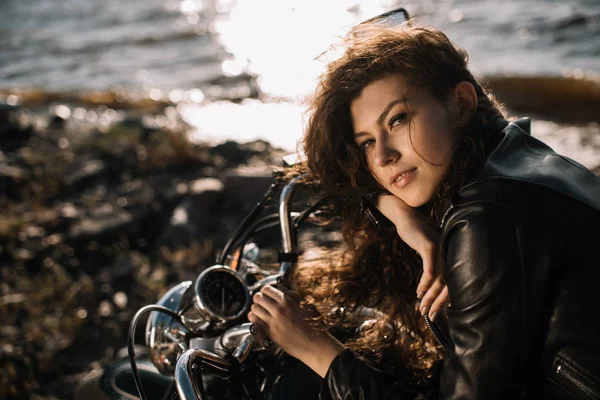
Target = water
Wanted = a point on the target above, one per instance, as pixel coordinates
(171, 48)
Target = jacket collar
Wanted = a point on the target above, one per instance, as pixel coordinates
(518, 156)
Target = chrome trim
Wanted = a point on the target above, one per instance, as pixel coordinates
(243, 349)
(269, 280)
(288, 241)
(207, 343)
(232, 337)
(165, 336)
(210, 314)
(186, 385)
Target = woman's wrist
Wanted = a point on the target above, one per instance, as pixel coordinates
(322, 353)
(394, 209)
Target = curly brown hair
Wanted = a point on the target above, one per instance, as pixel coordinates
(375, 268)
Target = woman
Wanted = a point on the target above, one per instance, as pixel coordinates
(513, 223)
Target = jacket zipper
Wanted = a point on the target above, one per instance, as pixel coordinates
(437, 334)
(566, 373)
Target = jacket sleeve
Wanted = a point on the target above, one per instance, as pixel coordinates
(484, 272)
(349, 378)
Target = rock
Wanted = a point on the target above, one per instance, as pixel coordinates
(196, 217)
(232, 153)
(11, 180)
(12, 135)
(134, 194)
(122, 267)
(82, 174)
(56, 122)
(98, 228)
(247, 186)
(167, 189)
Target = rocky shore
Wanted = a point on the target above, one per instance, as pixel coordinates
(102, 210)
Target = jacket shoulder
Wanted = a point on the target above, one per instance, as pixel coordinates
(521, 165)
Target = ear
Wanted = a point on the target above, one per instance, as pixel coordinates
(465, 97)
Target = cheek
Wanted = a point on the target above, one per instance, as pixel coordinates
(375, 172)
(433, 141)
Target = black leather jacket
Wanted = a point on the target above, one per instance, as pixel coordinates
(521, 248)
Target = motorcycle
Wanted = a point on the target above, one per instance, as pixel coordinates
(199, 343)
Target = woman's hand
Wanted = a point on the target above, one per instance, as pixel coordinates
(422, 238)
(278, 314)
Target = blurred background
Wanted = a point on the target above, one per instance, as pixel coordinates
(135, 134)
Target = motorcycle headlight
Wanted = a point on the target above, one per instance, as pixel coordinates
(165, 336)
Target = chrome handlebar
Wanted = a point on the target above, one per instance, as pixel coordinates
(187, 386)
(239, 339)
(288, 239)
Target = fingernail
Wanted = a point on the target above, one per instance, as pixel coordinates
(433, 315)
(420, 294)
(424, 310)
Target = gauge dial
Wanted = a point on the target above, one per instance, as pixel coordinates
(221, 294)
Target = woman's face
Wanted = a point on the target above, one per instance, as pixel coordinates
(408, 149)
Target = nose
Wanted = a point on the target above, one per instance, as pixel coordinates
(384, 153)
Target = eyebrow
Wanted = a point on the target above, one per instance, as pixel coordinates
(382, 116)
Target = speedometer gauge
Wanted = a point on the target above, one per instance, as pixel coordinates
(221, 294)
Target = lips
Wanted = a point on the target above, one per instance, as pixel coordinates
(402, 178)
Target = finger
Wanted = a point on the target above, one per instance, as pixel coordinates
(431, 261)
(431, 295)
(261, 312)
(265, 302)
(429, 274)
(274, 294)
(438, 304)
(290, 293)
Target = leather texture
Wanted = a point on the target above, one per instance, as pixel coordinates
(350, 378)
(520, 246)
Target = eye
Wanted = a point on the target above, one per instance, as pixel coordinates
(366, 144)
(397, 119)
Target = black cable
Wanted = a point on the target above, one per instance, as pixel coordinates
(266, 222)
(272, 220)
(239, 230)
(169, 393)
(130, 344)
(300, 219)
(269, 221)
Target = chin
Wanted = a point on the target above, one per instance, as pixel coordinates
(415, 200)
(415, 204)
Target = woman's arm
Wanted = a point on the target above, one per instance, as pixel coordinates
(279, 315)
(422, 238)
(484, 272)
